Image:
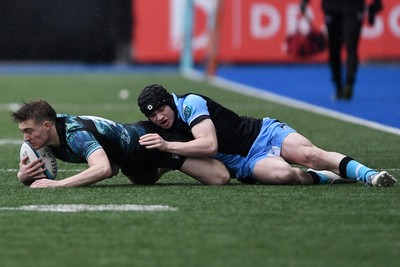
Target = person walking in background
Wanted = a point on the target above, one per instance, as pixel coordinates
(344, 20)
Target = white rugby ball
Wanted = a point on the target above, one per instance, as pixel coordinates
(50, 162)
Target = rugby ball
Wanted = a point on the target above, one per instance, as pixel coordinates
(50, 162)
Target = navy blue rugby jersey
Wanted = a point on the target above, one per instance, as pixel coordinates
(80, 136)
(236, 134)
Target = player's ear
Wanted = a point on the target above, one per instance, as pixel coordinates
(47, 124)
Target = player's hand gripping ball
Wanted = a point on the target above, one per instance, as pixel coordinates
(44, 153)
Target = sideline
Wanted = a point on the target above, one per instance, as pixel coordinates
(253, 91)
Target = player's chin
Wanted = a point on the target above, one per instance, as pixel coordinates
(35, 146)
(166, 125)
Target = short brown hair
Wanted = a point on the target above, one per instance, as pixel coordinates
(39, 110)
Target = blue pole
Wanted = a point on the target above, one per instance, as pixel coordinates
(186, 60)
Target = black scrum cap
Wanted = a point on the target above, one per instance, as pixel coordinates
(152, 97)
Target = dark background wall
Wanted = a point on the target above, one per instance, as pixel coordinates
(76, 30)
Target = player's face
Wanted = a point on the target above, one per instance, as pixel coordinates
(164, 117)
(37, 134)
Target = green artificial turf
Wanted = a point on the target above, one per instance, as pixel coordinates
(236, 225)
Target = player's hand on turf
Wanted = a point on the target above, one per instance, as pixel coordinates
(153, 141)
(45, 183)
(33, 170)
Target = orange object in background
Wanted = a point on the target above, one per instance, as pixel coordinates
(252, 31)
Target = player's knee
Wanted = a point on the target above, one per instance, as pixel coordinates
(221, 178)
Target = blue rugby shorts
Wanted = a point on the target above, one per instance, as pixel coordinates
(267, 144)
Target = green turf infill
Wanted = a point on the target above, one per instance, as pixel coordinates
(235, 225)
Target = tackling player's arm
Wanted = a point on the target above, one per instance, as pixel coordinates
(99, 169)
(205, 142)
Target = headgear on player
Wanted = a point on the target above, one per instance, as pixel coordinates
(152, 97)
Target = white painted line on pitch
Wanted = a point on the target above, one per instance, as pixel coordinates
(11, 142)
(82, 208)
(9, 107)
(3, 170)
(101, 106)
(253, 91)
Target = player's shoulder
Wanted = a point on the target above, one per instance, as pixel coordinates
(67, 122)
(192, 101)
(189, 97)
(194, 98)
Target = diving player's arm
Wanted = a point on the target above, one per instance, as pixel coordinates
(99, 169)
(205, 143)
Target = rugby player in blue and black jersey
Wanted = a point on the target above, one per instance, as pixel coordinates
(268, 146)
(106, 146)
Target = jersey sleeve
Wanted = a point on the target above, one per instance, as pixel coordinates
(83, 143)
(194, 109)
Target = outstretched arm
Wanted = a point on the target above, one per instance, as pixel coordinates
(99, 169)
(205, 142)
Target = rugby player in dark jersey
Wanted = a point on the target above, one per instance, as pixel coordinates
(106, 147)
(268, 146)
